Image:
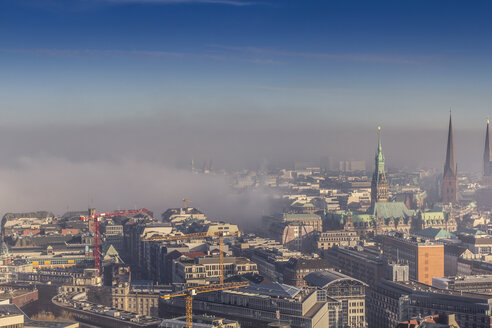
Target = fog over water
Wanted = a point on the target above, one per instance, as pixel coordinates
(145, 163)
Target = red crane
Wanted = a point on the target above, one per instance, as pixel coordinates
(96, 218)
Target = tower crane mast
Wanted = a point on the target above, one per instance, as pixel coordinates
(189, 293)
(96, 218)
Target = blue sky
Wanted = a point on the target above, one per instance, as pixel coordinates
(399, 63)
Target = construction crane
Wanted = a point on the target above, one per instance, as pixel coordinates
(189, 293)
(96, 218)
(200, 235)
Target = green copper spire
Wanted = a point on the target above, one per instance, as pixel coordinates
(379, 185)
(379, 155)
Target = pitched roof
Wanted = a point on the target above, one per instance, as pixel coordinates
(435, 233)
(388, 210)
(112, 253)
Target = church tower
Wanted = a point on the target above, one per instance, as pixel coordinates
(487, 155)
(450, 176)
(379, 185)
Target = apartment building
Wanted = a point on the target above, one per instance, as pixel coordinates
(332, 238)
(204, 270)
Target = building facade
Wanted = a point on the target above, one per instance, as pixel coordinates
(204, 270)
(391, 302)
(332, 238)
(425, 259)
(263, 304)
(348, 291)
(143, 302)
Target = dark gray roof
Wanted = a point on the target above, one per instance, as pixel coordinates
(11, 309)
(326, 277)
(308, 263)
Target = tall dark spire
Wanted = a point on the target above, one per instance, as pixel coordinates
(450, 165)
(450, 176)
(487, 154)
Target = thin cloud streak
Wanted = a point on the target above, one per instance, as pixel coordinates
(252, 55)
(236, 3)
(88, 53)
(351, 57)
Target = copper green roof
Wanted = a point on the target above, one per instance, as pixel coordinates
(357, 218)
(435, 233)
(388, 210)
(431, 216)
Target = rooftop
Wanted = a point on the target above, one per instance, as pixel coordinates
(420, 287)
(326, 277)
(435, 233)
(272, 290)
(388, 210)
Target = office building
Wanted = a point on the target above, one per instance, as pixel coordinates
(348, 291)
(425, 259)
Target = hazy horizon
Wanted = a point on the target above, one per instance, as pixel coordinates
(118, 95)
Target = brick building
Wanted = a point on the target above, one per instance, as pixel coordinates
(425, 259)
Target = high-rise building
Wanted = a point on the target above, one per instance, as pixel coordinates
(379, 186)
(487, 156)
(425, 259)
(450, 176)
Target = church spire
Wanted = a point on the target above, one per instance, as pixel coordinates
(379, 155)
(487, 154)
(379, 185)
(450, 178)
(450, 165)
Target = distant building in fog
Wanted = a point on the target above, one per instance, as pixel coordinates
(352, 166)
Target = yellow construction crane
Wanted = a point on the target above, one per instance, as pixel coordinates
(199, 235)
(189, 293)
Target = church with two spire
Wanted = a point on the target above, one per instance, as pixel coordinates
(449, 189)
